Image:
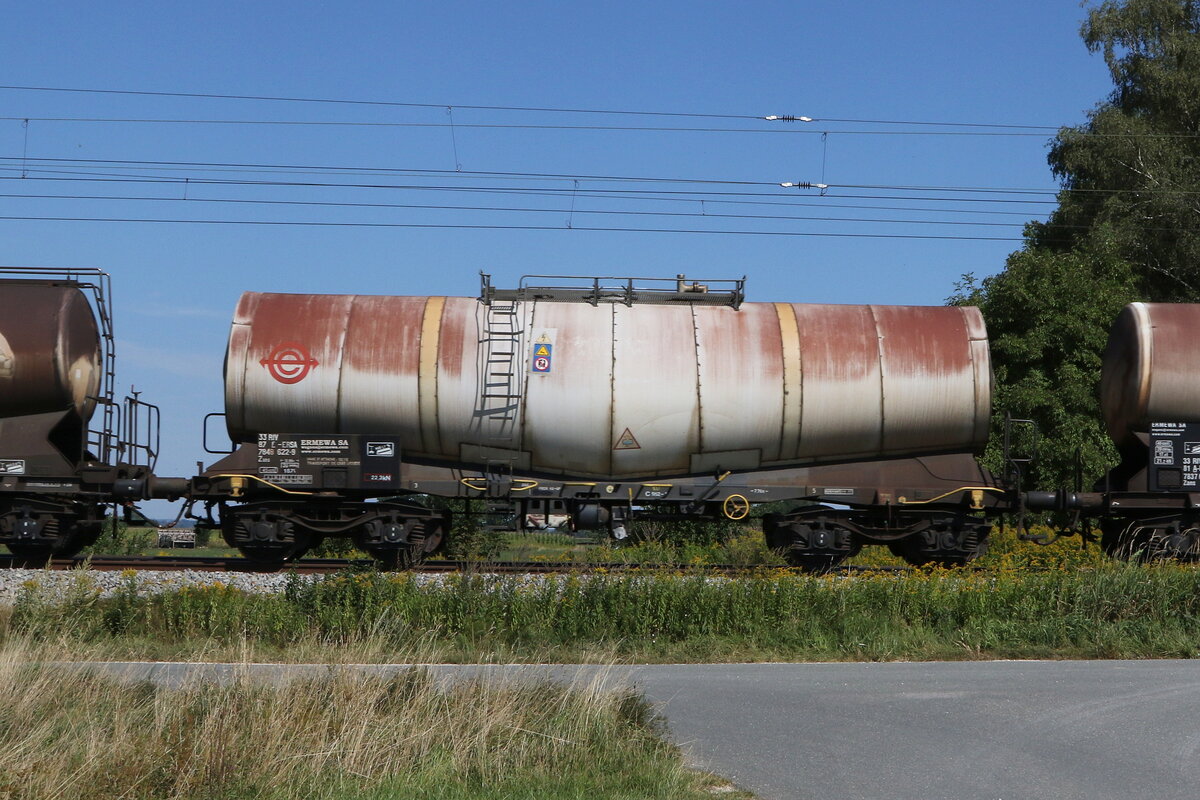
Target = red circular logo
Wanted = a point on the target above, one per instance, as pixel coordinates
(289, 363)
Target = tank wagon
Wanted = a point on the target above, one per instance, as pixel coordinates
(1148, 506)
(68, 448)
(603, 400)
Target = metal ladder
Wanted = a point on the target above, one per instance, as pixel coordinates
(499, 410)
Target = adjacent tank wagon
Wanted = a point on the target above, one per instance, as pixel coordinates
(68, 448)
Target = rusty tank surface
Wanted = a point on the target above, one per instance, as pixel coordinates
(50, 352)
(1151, 369)
(612, 389)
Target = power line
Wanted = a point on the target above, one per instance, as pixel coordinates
(530, 126)
(517, 192)
(417, 172)
(512, 209)
(504, 227)
(387, 103)
(325, 169)
(680, 195)
(503, 175)
(537, 109)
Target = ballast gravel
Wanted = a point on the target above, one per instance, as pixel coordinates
(63, 582)
(106, 583)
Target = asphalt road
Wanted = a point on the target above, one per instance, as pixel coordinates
(963, 730)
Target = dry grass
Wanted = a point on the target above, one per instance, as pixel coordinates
(67, 732)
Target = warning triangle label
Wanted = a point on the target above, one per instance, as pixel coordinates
(541, 350)
(626, 441)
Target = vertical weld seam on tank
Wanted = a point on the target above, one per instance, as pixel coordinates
(427, 411)
(879, 343)
(699, 387)
(525, 343)
(613, 433)
(792, 396)
(1144, 326)
(341, 363)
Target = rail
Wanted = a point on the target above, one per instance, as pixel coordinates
(334, 565)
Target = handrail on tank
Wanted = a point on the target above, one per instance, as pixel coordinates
(609, 289)
(104, 440)
(141, 427)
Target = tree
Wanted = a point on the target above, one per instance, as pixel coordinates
(1127, 227)
(1133, 170)
(1048, 316)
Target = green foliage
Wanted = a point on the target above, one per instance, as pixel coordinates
(684, 531)
(469, 539)
(1111, 610)
(1130, 174)
(119, 539)
(1126, 228)
(1048, 316)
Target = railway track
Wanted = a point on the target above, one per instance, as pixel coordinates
(321, 566)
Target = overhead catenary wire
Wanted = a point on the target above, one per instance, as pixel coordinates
(564, 176)
(543, 126)
(328, 224)
(417, 171)
(511, 209)
(681, 194)
(511, 108)
(541, 192)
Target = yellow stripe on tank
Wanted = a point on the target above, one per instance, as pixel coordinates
(793, 406)
(427, 380)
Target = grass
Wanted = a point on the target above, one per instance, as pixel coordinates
(1111, 611)
(70, 733)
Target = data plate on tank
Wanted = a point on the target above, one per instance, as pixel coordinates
(312, 462)
(1174, 456)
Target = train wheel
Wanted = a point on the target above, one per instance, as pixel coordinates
(34, 555)
(43, 536)
(814, 562)
(263, 559)
(266, 539)
(816, 544)
(944, 546)
(395, 558)
(1168, 541)
(399, 543)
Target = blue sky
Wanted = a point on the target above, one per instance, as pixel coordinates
(1014, 63)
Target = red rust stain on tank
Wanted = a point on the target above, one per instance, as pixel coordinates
(456, 315)
(384, 335)
(837, 343)
(315, 324)
(743, 345)
(926, 341)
